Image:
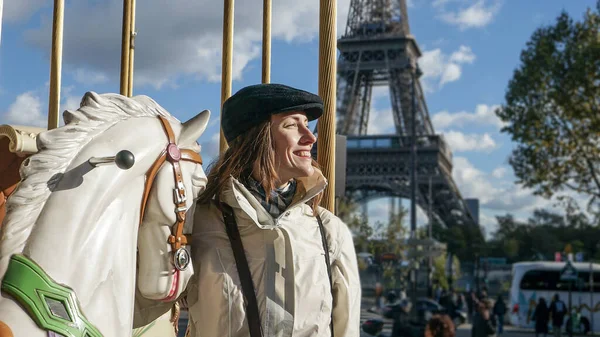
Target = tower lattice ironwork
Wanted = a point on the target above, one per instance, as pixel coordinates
(377, 49)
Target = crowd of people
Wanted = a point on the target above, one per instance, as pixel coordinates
(485, 315)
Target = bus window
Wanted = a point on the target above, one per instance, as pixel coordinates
(539, 280)
(550, 280)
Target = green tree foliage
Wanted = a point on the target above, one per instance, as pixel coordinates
(439, 273)
(465, 242)
(552, 109)
(543, 234)
(511, 248)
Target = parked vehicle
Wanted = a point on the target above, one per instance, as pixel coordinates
(426, 308)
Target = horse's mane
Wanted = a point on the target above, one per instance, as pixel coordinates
(56, 150)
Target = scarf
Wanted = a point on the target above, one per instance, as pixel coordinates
(279, 199)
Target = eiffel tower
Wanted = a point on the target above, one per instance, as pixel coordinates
(377, 49)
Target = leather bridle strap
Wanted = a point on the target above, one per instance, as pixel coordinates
(174, 155)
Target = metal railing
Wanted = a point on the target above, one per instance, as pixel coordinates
(397, 142)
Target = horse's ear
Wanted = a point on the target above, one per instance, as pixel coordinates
(193, 128)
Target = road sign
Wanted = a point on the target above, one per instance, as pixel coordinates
(568, 273)
(579, 257)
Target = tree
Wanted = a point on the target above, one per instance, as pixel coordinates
(552, 109)
(511, 248)
(439, 275)
(544, 234)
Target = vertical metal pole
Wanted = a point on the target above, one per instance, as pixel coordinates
(591, 297)
(392, 209)
(327, 91)
(413, 160)
(131, 51)
(1, 5)
(125, 47)
(430, 234)
(571, 328)
(450, 271)
(266, 42)
(413, 181)
(227, 61)
(56, 64)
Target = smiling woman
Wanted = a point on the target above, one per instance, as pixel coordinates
(271, 262)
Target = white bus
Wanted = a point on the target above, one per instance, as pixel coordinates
(533, 280)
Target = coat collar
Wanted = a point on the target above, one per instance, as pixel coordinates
(236, 195)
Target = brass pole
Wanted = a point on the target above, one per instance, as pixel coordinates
(56, 64)
(226, 63)
(1, 5)
(131, 51)
(327, 91)
(266, 42)
(125, 47)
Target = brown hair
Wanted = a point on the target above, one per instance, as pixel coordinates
(439, 326)
(238, 161)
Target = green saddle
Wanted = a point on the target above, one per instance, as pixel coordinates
(53, 307)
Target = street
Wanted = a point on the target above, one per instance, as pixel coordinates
(463, 330)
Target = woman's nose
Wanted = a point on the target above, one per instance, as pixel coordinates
(308, 137)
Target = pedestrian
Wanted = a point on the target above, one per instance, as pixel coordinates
(379, 299)
(558, 310)
(483, 324)
(268, 260)
(499, 311)
(440, 326)
(471, 304)
(541, 318)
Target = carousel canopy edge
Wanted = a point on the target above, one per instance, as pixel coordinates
(22, 139)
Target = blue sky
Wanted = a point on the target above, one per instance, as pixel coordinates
(470, 50)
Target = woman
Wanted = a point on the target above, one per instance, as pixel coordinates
(440, 326)
(499, 312)
(265, 189)
(483, 324)
(541, 317)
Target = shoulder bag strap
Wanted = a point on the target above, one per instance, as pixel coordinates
(327, 261)
(243, 271)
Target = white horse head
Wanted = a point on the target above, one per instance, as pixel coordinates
(79, 223)
(158, 257)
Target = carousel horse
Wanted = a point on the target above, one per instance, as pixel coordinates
(103, 201)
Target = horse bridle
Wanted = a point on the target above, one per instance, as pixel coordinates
(173, 154)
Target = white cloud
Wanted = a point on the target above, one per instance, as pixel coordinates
(89, 77)
(26, 110)
(483, 115)
(209, 143)
(450, 74)
(472, 183)
(175, 41)
(380, 122)
(439, 3)
(499, 172)
(381, 91)
(439, 68)
(463, 55)
(477, 15)
(460, 142)
(21, 10)
(489, 223)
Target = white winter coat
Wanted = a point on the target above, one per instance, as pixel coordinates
(288, 268)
